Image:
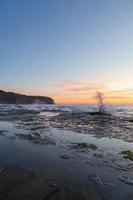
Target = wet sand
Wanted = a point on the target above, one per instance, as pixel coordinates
(55, 155)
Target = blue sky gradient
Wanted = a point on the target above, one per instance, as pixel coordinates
(48, 42)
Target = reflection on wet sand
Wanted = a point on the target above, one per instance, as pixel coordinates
(64, 156)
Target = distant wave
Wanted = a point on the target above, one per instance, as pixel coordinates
(120, 110)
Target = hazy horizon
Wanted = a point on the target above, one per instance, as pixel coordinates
(67, 49)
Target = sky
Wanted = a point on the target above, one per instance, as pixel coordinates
(67, 49)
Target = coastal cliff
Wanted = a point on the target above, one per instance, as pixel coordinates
(14, 98)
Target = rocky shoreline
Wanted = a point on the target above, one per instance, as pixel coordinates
(14, 98)
(87, 163)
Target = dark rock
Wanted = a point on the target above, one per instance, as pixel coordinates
(99, 113)
(128, 155)
(14, 98)
(2, 133)
(83, 145)
(64, 157)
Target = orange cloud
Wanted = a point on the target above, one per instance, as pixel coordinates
(117, 91)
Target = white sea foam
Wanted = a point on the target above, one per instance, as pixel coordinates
(120, 110)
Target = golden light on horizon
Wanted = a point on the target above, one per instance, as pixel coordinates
(70, 92)
(115, 92)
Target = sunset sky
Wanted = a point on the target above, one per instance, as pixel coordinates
(67, 49)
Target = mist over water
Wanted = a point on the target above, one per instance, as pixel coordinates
(101, 106)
